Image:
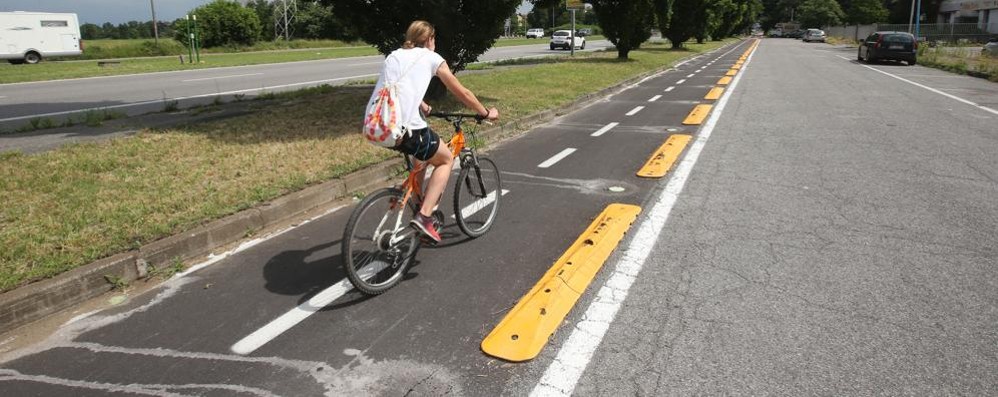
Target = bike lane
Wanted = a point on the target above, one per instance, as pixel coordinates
(421, 336)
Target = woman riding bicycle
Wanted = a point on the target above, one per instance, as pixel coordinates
(412, 67)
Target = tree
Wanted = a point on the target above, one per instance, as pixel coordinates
(864, 12)
(222, 23)
(626, 23)
(464, 29)
(264, 10)
(680, 24)
(820, 13)
(89, 31)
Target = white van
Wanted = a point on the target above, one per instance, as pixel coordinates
(27, 37)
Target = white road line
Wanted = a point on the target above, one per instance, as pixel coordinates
(670, 88)
(691, 75)
(951, 96)
(473, 208)
(2, 97)
(699, 70)
(221, 77)
(635, 110)
(605, 128)
(654, 98)
(558, 157)
(563, 374)
(185, 98)
(681, 81)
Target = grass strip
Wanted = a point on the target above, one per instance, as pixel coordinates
(68, 207)
(960, 61)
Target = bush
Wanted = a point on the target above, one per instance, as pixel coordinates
(222, 23)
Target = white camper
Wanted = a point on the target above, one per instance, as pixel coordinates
(27, 37)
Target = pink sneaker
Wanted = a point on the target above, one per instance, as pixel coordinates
(425, 226)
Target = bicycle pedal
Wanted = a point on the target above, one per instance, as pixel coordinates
(427, 240)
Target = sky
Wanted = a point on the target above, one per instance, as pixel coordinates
(118, 11)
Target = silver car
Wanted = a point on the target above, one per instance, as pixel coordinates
(814, 35)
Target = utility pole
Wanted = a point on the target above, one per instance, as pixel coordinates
(155, 29)
(284, 18)
(911, 18)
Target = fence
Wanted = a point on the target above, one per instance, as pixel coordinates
(945, 32)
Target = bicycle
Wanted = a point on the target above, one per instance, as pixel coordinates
(378, 243)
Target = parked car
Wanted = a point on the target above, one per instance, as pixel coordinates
(535, 33)
(585, 32)
(814, 35)
(796, 34)
(564, 39)
(895, 46)
(991, 48)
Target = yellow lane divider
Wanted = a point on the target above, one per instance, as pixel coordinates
(714, 93)
(736, 66)
(698, 115)
(662, 160)
(731, 72)
(525, 330)
(724, 81)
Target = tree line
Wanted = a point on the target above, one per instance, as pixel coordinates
(820, 13)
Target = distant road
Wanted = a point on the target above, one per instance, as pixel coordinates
(142, 93)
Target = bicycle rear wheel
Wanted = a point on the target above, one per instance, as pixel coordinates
(476, 197)
(378, 244)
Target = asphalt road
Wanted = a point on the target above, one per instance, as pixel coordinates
(142, 93)
(832, 231)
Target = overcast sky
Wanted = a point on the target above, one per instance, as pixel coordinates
(116, 11)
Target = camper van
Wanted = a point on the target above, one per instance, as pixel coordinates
(27, 37)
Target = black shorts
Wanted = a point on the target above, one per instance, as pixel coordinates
(421, 144)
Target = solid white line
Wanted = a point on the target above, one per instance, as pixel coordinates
(551, 161)
(670, 88)
(222, 77)
(654, 98)
(691, 75)
(681, 81)
(951, 96)
(605, 128)
(184, 98)
(283, 323)
(635, 110)
(563, 374)
(473, 208)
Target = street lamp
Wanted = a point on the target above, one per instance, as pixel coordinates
(155, 29)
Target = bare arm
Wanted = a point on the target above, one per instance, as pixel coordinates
(463, 94)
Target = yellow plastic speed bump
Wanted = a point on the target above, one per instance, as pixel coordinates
(525, 330)
(736, 66)
(662, 160)
(724, 81)
(714, 93)
(731, 72)
(698, 115)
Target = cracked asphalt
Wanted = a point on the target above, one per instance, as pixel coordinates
(839, 235)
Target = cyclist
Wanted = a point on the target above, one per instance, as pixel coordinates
(413, 66)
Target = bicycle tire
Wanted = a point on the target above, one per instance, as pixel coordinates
(471, 202)
(372, 263)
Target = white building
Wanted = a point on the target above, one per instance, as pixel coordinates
(982, 12)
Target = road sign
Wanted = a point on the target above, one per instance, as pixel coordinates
(574, 4)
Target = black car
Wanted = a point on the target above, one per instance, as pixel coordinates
(895, 46)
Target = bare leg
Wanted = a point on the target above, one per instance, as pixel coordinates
(442, 162)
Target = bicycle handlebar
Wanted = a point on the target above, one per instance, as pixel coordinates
(449, 116)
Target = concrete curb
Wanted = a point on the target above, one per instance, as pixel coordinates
(34, 301)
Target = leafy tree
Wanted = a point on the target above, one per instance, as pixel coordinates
(819, 13)
(682, 21)
(264, 10)
(222, 23)
(626, 23)
(864, 12)
(540, 17)
(464, 29)
(89, 31)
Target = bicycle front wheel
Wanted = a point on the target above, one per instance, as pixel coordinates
(378, 244)
(476, 197)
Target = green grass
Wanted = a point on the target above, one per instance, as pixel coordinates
(959, 61)
(67, 70)
(131, 48)
(68, 207)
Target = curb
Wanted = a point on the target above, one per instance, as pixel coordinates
(34, 301)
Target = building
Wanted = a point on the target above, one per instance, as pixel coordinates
(982, 12)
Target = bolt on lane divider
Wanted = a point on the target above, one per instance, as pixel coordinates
(665, 156)
(522, 334)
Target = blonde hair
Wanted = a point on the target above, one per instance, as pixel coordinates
(418, 34)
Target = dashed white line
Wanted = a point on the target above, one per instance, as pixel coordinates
(635, 110)
(605, 128)
(670, 88)
(654, 98)
(699, 70)
(563, 374)
(681, 81)
(691, 75)
(478, 205)
(951, 96)
(556, 158)
(221, 77)
(2, 97)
